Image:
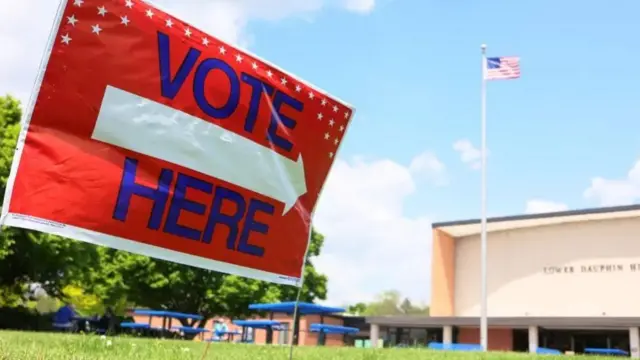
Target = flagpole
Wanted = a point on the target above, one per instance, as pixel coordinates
(483, 212)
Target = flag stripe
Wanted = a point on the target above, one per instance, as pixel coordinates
(502, 68)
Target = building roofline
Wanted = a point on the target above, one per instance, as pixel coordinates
(569, 213)
(514, 322)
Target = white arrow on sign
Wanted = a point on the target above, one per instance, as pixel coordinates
(153, 129)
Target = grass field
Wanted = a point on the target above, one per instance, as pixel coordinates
(43, 346)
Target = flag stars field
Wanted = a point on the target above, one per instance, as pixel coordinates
(71, 20)
(66, 39)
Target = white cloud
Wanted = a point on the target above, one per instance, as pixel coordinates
(469, 154)
(537, 206)
(427, 166)
(361, 6)
(371, 244)
(610, 192)
(25, 26)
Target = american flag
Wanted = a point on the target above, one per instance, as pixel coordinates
(502, 68)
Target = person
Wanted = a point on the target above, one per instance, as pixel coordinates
(106, 321)
(64, 318)
(220, 330)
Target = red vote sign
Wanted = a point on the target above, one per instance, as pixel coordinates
(151, 136)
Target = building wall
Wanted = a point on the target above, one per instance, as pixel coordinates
(576, 269)
(442, 274)
(498, 339)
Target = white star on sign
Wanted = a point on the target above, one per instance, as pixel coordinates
(341, 128)
(336, 141)
(128, 3)
(78, 3)
(239, 58)
(149, 13)
(102, 10)
(346, 114)
(331, 122)
(311, 95)
(326, 136)
(223, 50)
(323, 102)
(187, 32)
(269, 73)
(254, 66)
(330, 155)
(72, 20)
(66, 39)
(320, 116)
(125, 20)
(335, 108)
(298, 88)
(169, 23)
(96, 29)
(205, 41)
(283, 81)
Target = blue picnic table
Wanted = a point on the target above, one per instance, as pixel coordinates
(303, 308)
(167, 318)
(268, 325)
(324, 329)
(604, 351)
(454, 346)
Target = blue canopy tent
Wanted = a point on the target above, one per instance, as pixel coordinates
(268, 325)
(303, 309)
(324, 329)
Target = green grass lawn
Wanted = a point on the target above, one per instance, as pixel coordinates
(41, 346)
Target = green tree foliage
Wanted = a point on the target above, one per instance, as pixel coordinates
(158, 284)
(388, 303)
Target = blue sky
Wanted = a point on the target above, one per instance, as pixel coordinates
(565, 135)
(412, 69)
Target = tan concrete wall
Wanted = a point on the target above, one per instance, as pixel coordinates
(578, 269)
(442, 274)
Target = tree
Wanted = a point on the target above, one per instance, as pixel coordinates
(389, 303)
(159, 284)
(29, 256)
(357, 309)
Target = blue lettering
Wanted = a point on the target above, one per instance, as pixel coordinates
(252, 225)
(203, 70)
(228, 208)
(129, 188)
(277, 118)
(217, 217)
(258, 88)
(179, 203)
(170, 87)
